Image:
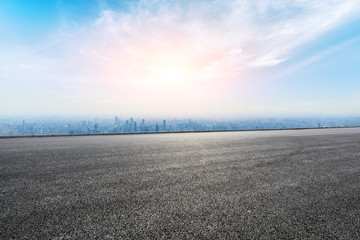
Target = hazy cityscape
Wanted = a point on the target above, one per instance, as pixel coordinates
(90, 125)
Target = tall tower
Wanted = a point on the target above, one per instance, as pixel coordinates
(116, 121)
(164, 125)
(131, 125)
(23, 127)
(127, 126)
(142, 125)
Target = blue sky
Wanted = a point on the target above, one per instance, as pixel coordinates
(180, 58)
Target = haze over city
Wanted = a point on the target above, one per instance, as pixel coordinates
(180, 58)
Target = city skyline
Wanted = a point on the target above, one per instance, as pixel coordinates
(49, 126)
(164, 59)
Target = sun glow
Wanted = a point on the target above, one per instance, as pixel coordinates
(177, 66)
(168, 75)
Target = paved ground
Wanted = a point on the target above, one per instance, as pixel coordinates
(301, 184)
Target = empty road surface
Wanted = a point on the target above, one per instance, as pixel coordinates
(296, 184)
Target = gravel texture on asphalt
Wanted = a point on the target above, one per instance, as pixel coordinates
(298, 184)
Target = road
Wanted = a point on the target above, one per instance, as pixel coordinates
(296, 184)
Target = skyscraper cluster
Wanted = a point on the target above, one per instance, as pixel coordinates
(55, 125)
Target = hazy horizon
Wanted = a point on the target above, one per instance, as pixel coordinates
(180, 59)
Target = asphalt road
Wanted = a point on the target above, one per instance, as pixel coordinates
(302, 184)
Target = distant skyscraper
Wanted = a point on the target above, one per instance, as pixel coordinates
(23, 127)
(135, 127)
(142, 125)
(164, 125)
(131, 125)
(157, 128)
(126, 128)
(116, 121)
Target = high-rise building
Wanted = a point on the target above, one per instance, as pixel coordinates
(164, 125)
(142, 125)
(131, 125)
(23, 127)
(116, 121)
(126, 127)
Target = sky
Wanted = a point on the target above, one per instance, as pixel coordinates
(204, 58)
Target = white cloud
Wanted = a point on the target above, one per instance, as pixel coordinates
(233, 34)
(253, 33)
(215, 41)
